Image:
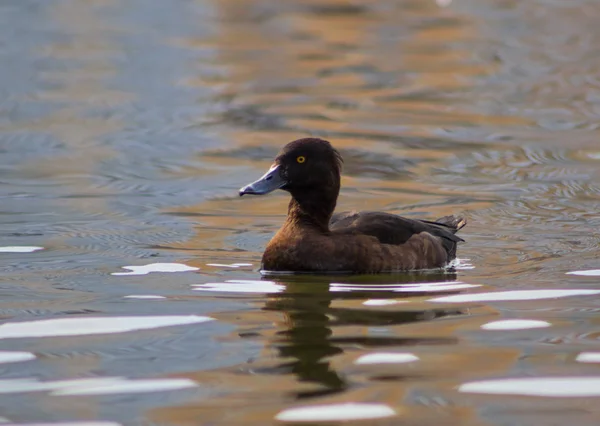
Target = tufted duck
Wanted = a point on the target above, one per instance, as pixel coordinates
(313, 239)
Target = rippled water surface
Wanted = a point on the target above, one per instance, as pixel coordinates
(129, 283)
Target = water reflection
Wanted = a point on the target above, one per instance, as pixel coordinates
(312, 311)
(515, 324)
(588, 273)
(514, 295)
(156, 267)
(320, 345)
(569, 387)
(6, 422)
(87, 325)
(591, 357)
(386, 358)
(15, 356)
(336, 413)
(19, 249)
(94, 386)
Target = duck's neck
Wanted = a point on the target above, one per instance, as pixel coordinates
(312, 209)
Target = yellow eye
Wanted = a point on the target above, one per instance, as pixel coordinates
(301, 159)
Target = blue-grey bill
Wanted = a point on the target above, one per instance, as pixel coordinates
(269, 182)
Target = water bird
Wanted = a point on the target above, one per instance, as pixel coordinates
(314, 239)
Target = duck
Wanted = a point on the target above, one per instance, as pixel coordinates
(315, 240)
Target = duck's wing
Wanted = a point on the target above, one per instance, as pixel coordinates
(392, 229)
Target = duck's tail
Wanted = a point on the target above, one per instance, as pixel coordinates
(455, 223)
(450, 223)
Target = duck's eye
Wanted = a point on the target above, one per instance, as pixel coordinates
(301, 159)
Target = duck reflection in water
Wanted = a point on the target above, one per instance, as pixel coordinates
(310, 318)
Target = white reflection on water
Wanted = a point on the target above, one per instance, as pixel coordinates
(591, 357)
(461, 264)
(14, 356)
(386, 358)
(588, 273)
(95, 386)
(120, 385)
(514, 295)
(515, 324)
(20, 249)
(404, 288)
(241, 286)
(256, 286)
(143, 296)
(382, 302)
(228, 265)
(93, 325)
(336, 412)
(83, 423)
(156, 267)
(537, 386)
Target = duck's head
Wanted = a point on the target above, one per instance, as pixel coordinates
(301, 167)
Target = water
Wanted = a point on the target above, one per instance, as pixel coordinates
(126, 128)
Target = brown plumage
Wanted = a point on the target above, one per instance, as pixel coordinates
(313, 239)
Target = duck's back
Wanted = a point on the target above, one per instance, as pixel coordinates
(398, 231)
(366, 242)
